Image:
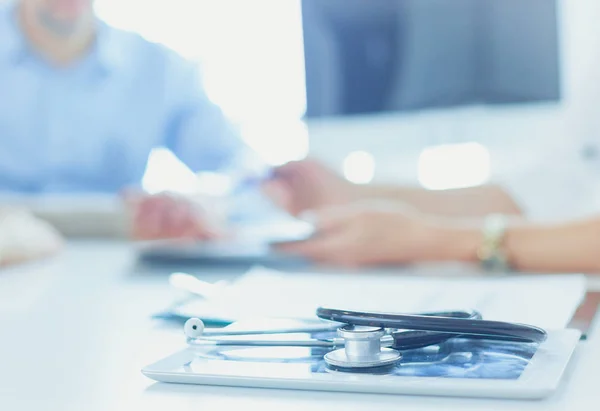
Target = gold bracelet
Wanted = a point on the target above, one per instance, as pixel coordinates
(491, 254)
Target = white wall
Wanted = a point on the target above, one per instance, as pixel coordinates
(251, 55)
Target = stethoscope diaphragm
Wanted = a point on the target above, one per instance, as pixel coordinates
(362, 349)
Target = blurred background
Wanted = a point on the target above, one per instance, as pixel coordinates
(439, 93)
(444, 93)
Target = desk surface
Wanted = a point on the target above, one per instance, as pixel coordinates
(76, 331)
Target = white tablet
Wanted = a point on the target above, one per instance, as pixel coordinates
(252, 245)
(458, 367)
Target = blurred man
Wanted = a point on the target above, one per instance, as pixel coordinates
(82, 105)
(372, 225)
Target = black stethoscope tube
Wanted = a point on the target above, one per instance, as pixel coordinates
(452, 324)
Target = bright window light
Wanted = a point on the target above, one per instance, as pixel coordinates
(165, 172)
(277, 142)
(359, 167)
(454, 166)
(251, 55)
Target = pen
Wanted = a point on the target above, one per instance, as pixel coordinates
(253, 181)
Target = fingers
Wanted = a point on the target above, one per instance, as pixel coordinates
(290, 188)
(331, 218)
(305, 166)
(334, 248)
(147, 219)
(292, 168)
(322, 247)
(335, 237)
(176, 220)
(279, 192)
(169, 217)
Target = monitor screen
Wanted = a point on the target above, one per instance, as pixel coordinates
(365, 56)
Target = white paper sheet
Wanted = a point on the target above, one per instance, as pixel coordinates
(547, 301)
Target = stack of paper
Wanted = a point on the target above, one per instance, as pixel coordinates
(547, 301)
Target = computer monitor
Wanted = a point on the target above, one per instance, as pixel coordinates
(365, 56)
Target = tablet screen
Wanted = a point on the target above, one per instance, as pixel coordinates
(456, 358)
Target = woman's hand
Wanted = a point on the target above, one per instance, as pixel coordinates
(370, 233)
(308, 184)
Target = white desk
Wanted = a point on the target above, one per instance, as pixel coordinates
(75, 332)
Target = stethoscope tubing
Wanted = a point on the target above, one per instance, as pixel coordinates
(403, 331)
(466, 327)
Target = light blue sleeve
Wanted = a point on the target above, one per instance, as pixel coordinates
(201, 136)
(197, 131)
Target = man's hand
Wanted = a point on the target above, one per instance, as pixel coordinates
(302, 185)
(368, 233)
(169, 216)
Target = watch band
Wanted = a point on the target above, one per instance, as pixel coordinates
(491, 253)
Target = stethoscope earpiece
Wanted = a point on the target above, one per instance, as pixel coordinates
(193, 328)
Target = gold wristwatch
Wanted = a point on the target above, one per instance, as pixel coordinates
(491, 254)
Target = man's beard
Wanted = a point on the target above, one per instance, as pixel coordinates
(61, 28)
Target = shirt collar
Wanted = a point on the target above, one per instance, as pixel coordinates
(107, 50)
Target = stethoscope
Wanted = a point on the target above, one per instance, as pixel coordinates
(371, 339)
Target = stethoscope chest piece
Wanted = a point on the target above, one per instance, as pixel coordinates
(362, 349)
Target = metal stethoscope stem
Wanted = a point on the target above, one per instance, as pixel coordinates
(385, 341)
(355, 346)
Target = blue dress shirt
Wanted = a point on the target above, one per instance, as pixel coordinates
(90, 127)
